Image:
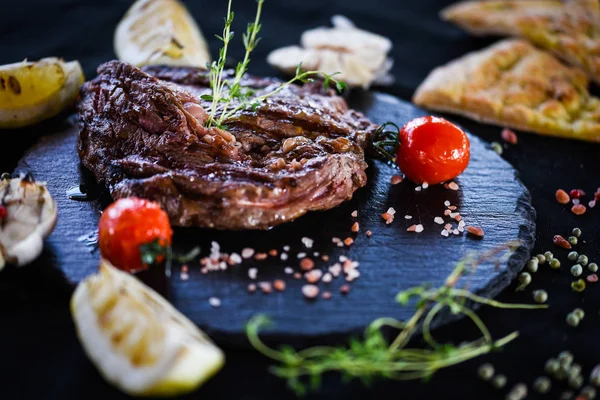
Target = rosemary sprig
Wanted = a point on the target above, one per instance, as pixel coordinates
(155, 252)
(226, 92)
(385, 141)
(374, 357)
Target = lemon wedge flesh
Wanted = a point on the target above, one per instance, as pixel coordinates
(138, 341)
(31, 92)
(160, 32)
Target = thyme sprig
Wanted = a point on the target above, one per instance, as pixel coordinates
(375, 357)
(226, 91)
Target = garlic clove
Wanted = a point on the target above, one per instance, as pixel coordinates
(31, 215)
(359, 56)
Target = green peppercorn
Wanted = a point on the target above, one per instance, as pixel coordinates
(576, 270)
(574, 370)
(549, 256)
(582, 259)
(499, 381)
(565, 358)
(576, 381)
(542, 385)
(552, 366)
(532, 265)
(555, 263)
(578, 285)
(540, 296)
(497, 147)
(573, 320)
(525, 278)
(572, 240)
(595, 375)
(593, 267)
(520, 389)
(579, 312)
(588, 392)
(486, 371)
(541, 258)
(573, 255)
(576, 232)
(513, 396)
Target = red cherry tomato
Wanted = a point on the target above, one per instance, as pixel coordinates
(432, 150)
(128, 224)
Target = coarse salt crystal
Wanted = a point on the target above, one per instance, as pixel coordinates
(418, 189)
(354, 214)
(283, 256)
(335, 269)
(301, 255)
(310, 291)
(288, 270)
(592, 203)
(576, 201)
(408, 217)
(308, 242)
(215, 302)
(438, 220)
(222, 265)
(235, 258)
(391, 211)
(352, 275)
(335, 239)
(453, 186)
(286, 248)
(313, 276)
(454, 214)
(445, 233)
(184, 276)
(316, 254)
(252, 272)
(419, 228)
(461, 223)
(247, 252)
(343, 258)
(252, 287)
(456, 232)
(425, 185)
(327, 278)
(447, 212)
(447, 203)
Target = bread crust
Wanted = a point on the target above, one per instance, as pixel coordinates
(514, 84)
(568, 28)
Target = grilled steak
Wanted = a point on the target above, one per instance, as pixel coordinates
(143, 133)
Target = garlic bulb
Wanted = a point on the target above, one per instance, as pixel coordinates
(360, 56)
(29, 216)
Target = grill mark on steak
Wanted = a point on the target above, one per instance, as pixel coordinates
(142, 134)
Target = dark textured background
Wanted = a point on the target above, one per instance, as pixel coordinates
(40, 356)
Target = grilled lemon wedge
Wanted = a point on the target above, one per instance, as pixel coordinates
(34, 91)
(160, 32)
(137, 340)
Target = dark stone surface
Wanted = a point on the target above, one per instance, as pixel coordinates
(391, 260)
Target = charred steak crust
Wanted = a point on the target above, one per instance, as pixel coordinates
(143, 134)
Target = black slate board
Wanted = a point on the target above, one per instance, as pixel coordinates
(391, 260)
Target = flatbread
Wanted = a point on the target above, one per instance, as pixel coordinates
(514, 84)
(568, 28)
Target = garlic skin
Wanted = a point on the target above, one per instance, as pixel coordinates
(30, 218)
(361, 57)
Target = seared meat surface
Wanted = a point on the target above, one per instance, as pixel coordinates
(143, 133)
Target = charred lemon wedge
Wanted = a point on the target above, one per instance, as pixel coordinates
(160, 32)
(31, 92)
(137, 340)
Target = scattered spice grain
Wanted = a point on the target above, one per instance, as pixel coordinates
(310, 291)
(560, 241)
(396, 179)
(306, 264)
